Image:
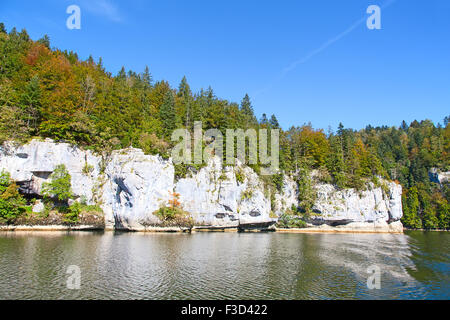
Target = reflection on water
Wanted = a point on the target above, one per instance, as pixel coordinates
(224, 265)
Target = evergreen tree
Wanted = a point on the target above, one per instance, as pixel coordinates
(122, 75)
(185, 102)
(264, 120)
(404, 126)
(335, 162)
(45, 40)
(31, 99)
(167, 114)
(147, 77)
(411, 208)
(274, 122)
(249, 118)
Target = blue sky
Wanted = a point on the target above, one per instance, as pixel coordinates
(306, 61)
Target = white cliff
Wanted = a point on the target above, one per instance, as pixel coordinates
(215, 197)
(346, 205)
(32, 164)
(133, 186)
(358, 206)
(129, 186)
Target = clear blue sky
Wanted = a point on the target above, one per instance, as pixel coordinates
(302, 60)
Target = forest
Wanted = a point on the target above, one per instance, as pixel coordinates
(47, 92)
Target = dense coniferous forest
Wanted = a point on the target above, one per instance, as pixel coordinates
(47, 92)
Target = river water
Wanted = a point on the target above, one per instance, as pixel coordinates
(34, 265)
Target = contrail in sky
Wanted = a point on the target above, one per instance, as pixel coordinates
(311, 54)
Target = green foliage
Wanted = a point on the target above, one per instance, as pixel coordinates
(278, 180)
(60, 185)
(223, 176)
(169, 213)
(182, 170)
(248, 114)
(443, 213)
(4, 181)
(174, 217)
(167, 114)
(12, 204)
(306, 190)
(287, 220)
(87, 168)
(8, 211)
(151, 144)
(246, 194)
(240, 175)
(411, 209)
(72, 213)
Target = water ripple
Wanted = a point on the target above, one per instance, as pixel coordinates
(224, 265)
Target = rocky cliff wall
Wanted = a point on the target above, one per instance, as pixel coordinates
(130, 186)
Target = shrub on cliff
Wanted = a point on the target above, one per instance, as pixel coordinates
(12, 204)
(174, 215)
(287, 220)
(60, 186)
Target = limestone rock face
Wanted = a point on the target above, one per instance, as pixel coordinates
(31, 164)
(130, 186)
(395, 201)
(133, 187)
(346, 205)
(363, 206)
(215, 198)
(288, 197)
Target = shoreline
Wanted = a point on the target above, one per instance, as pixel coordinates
(40, 228)
(365, 229)
(51, 228)
(321, 230)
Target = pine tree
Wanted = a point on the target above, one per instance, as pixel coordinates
(335, 162)
(167, 114)
(100, 64)
(122, 75)
(183, 89)
(185, 99)
(31, 99)
(264, 120)
(2, 28)
(274, 122)
(249, 118)
(404, 126)
(45, 40)
(147, 77)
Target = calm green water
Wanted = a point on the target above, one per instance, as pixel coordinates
(224, 265)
